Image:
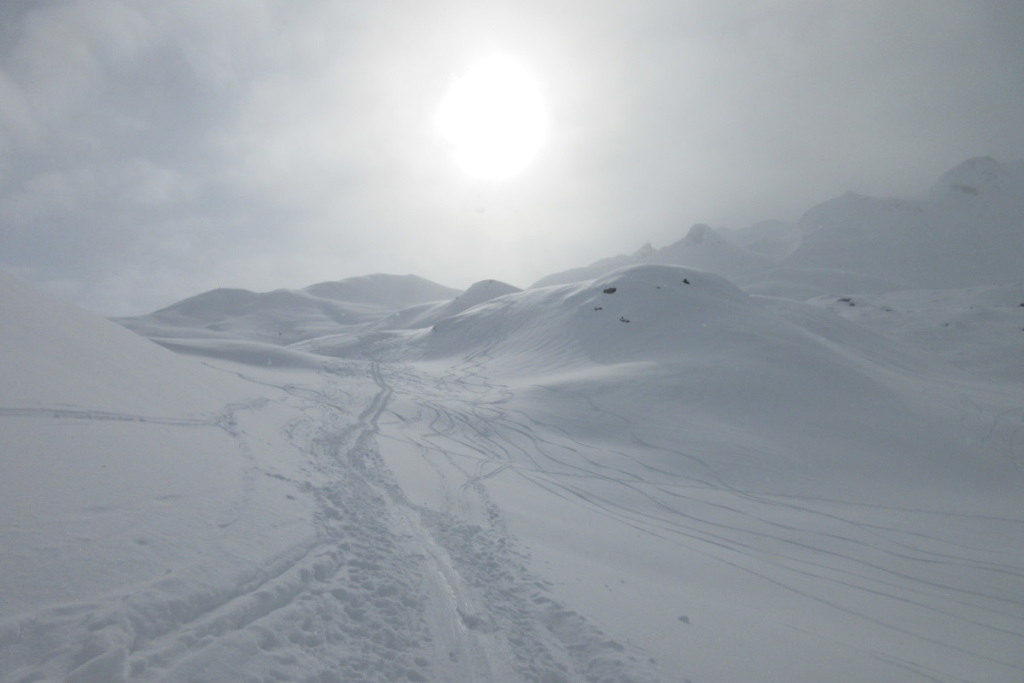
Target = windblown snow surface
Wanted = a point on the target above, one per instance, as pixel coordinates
(648, 474)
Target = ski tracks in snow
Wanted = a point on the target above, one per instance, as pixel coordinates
(384, 591)
(345, 605)
(457, 428)
(939, 583)
(388, 589)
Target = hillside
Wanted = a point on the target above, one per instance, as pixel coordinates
(286, 316)
(174, 520)
(703, 248)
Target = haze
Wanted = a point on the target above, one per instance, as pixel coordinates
(152, 151)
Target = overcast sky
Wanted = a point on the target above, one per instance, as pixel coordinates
(153, 150)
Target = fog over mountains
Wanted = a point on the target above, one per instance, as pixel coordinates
(791, 452)
(965, 232)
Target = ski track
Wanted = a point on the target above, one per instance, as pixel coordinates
(386, 591)
(856, 560)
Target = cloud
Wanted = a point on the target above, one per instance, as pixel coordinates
(786, 103)
(152, 150)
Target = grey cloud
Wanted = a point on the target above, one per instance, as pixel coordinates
(815, 98)
(151, 150)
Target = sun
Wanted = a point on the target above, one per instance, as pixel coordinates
(494, 118)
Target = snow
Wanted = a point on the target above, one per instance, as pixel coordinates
(642, 470)
(770, 238)
(286, 316)
(391, 291)
(703, 248)
(978, 329)
(426, 315)
(965, 233)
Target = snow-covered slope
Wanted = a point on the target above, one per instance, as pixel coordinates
(729, 478)
(967, 232)
(388, 291)
(163, 519)
(54, 354)
(428, 314)
(138, 490)
(691, 347)
(703, 248)
(286, 316)
(598, 268)
(771, 238)
(980, 330)
(730, 446)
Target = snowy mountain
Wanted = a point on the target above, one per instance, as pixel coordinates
(772, 238)
(285, 316)
(703, 248)
(427, 314)
(966, 232)
(640, 471)
(387, 291)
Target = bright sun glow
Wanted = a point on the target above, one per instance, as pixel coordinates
(494, 118)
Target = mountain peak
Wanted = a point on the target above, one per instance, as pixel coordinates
(382, 289)
(645, 252)
(702, 233)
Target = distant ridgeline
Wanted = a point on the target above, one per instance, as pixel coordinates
(967, 231)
